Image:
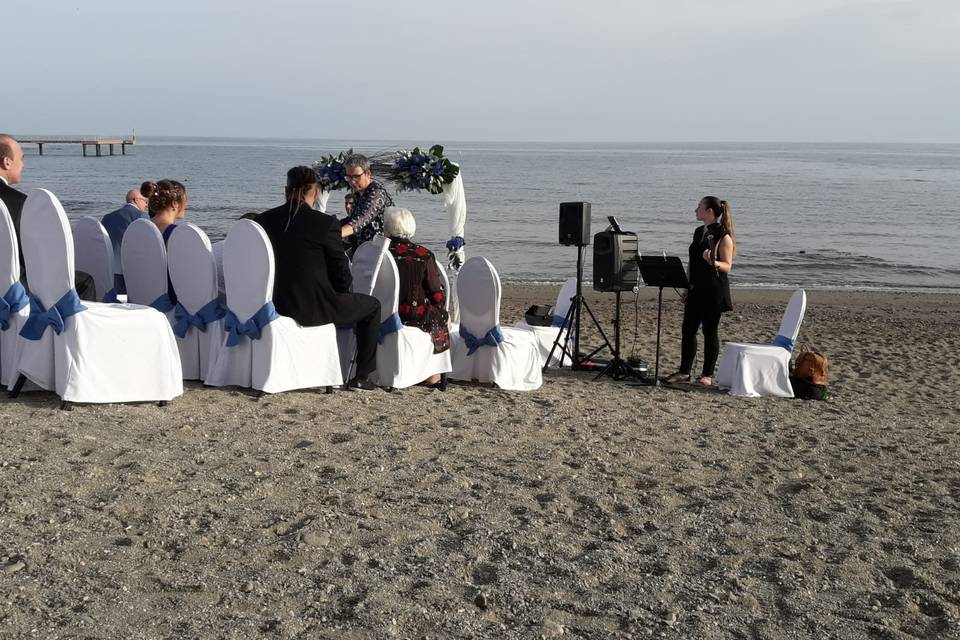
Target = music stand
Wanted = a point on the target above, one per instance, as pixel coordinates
(661, 271)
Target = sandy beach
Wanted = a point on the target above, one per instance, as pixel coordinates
(586, 509)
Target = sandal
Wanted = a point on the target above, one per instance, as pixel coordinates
(678, 376)
(706, 381)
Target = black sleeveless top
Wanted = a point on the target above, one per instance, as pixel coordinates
(707, 284)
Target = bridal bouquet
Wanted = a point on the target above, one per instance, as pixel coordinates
(427, 170)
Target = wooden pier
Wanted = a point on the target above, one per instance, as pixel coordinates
(97, 142)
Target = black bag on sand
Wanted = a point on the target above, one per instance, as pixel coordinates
(809, 376)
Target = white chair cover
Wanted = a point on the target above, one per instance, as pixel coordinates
(515, 362)
(144, 259)
(405, 357)
(94, 255)
(106, 353)
(763, 369)
(546, 336)
(363, 271)
(286, 356)
(9, 274)
(193, 273)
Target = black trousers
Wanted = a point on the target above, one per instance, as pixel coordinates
(700, 311)
(363, 312)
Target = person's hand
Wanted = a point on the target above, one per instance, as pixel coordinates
(707, 256)
(346, 231)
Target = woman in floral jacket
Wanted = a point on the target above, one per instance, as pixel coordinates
(422, 299)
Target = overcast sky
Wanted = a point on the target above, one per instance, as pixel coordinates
(560, 70)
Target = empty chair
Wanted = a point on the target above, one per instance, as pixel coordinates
(14, 303)
(86, 352)
(764, 369)
(482, 350)
(363, 270)
(547, 336)
(261, 349)
(405, 355)
(94, 255)
(144, 258)
(198, 310)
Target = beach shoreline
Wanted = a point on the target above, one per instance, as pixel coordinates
(584, 509)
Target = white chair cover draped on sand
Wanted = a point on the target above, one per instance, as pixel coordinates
(482, 350)
(546, 336)
(261, 349)
(198, 312)
(764, 369)
(94, 255)
(89, 352)
(363, 272)
(14, 305)
(405, 354)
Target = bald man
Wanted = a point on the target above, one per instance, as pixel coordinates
(116, 223)
(11, 170)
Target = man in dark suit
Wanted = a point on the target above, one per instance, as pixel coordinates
(312, 283)
(11, 170)
(116, 223)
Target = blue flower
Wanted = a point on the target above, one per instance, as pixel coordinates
(437, 168)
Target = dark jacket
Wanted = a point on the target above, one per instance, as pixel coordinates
(311, 266)
(14, 200)
(116, 223)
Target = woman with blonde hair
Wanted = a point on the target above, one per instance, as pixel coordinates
(711, 259)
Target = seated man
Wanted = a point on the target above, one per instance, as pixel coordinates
(116, 223)
(11, 170)
(313, 280)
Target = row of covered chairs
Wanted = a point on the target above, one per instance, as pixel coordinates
(142, 350)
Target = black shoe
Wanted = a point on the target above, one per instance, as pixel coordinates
(361, 384)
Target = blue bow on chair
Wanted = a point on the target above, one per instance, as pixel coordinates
(183, 319)
(557, 321)
(12, 301)
(388, 326)
(252, 327)
(41, 318)
(163, 303)
(783, 341)
(491, 339)
(111, 296)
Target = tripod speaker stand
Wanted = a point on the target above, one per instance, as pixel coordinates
(571, 323)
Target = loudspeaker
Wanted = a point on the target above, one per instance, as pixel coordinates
(539, 315)
(615, 261)
(575, 223)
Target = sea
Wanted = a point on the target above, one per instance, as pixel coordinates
(849, 216)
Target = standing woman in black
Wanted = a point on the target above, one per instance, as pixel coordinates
(711, 259)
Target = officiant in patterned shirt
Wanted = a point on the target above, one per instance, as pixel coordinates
(365, 221)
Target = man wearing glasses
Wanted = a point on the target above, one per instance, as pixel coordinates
(365, 220)
(116, 223)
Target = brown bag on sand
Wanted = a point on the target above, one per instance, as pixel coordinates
(811, 366)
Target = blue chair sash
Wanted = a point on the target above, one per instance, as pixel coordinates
(111, 296)
(492, 338)
(41, 318)
(388, 326)
(557, 321)
(783, 341)
(183, 319)
(163, 304)
(12, 301)
(252, 327)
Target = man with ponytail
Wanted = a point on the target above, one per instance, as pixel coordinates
(711, 259)
(313, 280)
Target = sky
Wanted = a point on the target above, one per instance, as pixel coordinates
(490, 70)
